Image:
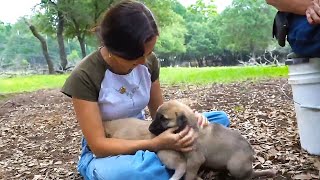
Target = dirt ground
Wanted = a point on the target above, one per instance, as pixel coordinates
(40, 138)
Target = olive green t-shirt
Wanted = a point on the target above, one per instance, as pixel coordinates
(118, 96)
(85, 80)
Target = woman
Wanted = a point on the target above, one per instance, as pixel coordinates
(117, 81)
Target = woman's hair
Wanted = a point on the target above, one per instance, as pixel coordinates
(126, 27)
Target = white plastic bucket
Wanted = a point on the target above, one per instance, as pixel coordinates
(304, 79)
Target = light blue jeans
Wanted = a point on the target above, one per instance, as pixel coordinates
(140, 166)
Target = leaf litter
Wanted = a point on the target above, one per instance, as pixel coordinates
(40, 137)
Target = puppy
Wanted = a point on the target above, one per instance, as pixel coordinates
(137, 129)
(216, 147)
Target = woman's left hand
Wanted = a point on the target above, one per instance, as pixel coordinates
(202, 120)
(313, 13)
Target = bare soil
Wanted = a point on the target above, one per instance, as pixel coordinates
(40, 137)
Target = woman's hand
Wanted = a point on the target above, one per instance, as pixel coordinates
(182, 141)
(313, 12)
(202, 120)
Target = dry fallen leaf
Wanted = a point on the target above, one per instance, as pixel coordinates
(302, 176)
(261, 160)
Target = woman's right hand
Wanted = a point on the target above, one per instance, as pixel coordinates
(182, 141)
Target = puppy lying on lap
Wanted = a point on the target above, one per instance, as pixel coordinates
(216, 147)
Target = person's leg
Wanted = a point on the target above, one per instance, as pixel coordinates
(141, 165)
(85, 158)
(303, 38)
(219, 117)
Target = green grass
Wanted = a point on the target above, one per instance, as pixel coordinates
(167, 76)
(30, 83)
(220, 74)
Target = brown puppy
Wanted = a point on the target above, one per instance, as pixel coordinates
(137, 129)
(216, 147)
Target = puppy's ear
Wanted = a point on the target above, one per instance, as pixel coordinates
(159, 124)
(182, 122)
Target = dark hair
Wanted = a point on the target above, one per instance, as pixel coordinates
(126, 27)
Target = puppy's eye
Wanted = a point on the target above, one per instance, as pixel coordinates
(163, 118)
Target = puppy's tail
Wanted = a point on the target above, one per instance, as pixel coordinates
(268, 173)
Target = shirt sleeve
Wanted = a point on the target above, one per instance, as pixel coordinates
(79, 85)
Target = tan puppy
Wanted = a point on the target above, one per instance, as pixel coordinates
(137, 129)
(217, 147)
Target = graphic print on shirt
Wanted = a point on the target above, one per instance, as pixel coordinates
(123, 96)
(128, 92)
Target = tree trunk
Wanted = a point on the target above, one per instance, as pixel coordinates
(200, 62)
(44, 47)
(62, 52)
(82, 45)
(81, 38)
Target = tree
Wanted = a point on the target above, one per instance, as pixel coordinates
(201, 38)
(245, 26)
(55, 14)
(4, 36)
(20, 45)
(4, 33)
(43, 45)
(82, 16)
(171, 42)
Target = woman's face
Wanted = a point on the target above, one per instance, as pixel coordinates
(127, 66)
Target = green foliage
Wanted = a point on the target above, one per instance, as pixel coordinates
(171, 40)
(4, 33)
(246, 26)
(163, 11)
(168, 14)
(20, 43)
(73, 57)
(191, 33)
(82, 15)
(202, 37)
(206, 9)
(24, 63)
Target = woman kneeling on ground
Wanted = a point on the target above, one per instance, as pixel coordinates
(118, 81)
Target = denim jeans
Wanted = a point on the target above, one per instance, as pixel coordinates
(303, 37)
(140, 166)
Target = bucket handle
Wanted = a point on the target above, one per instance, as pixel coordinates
(317, 108)
(284, 93)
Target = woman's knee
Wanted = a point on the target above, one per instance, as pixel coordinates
(219, 117)
(111, 169)
(142, 165)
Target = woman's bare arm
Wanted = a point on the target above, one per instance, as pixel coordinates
(156, 98)
(88, 116)
(292, 6)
